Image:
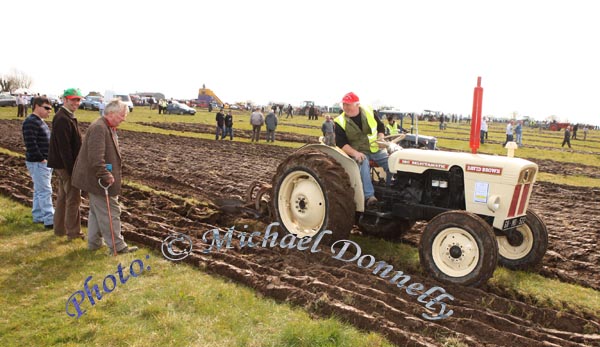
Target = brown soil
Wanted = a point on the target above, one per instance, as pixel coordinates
(219, 173)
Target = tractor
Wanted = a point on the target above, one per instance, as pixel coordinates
(476, 206)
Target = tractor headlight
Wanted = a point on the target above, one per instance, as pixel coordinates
(493, 203)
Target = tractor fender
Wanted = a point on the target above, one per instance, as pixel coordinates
(349, 165)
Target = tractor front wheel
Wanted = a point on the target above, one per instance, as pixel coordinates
(459, 247)
(524, 247)
(312, 192)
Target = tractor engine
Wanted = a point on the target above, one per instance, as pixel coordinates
(427, 194)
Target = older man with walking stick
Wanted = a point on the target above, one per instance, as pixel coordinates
(98, 172)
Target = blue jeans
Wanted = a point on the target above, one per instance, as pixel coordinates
(220, 130)
(519, 139)
(42, 210)
(381, 158)
(228, 131)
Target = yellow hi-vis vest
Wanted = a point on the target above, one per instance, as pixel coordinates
(392, 128)
(360, 140)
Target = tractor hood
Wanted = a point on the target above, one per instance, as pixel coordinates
(475, 166)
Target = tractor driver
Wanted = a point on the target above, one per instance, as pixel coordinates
(355, 134)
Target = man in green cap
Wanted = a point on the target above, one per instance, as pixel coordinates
(65, 141)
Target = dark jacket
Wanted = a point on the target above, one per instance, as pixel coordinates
(65, 141)
(229, 121)
(271, 121)
(100, 147)
(220, 118)
(36, 136)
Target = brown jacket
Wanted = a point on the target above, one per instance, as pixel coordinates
(100, 147)
(65, 141)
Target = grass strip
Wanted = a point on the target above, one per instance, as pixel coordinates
(172, 304)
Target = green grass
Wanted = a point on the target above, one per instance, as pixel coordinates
(9, 152)
(573, 180)
(171, 304)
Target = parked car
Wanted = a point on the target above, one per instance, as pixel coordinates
(178, 108)
(91, 103)
(8, 100)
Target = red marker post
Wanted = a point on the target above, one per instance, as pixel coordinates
(476, 117)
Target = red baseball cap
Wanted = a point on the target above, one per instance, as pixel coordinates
(350, 98)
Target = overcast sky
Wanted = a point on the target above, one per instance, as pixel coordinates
(536, 58)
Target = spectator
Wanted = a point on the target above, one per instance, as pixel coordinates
(519, 133)
(567, 138)
(312, 113)
(585, 132)
(36, 136)
(509, 133)
(26, 102)
(20, 111)
(575, 128)
(220, 118)
(256, 120)
(101, 107)
(228, 125)
(56, 104)
(162, 106)
(65, 141)
(100, 162)
(483, 131)
(271, 123)
(289, 111)
(328, 128)
(151, 102)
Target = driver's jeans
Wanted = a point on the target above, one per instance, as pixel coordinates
(381, 158)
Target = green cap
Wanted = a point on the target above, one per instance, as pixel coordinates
(73, 93)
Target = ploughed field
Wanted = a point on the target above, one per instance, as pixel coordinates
(218, 173)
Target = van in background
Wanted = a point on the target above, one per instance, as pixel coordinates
(109, 95)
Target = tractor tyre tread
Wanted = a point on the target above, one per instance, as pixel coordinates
(335, 184)
(540, 246)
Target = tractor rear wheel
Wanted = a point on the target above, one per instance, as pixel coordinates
(312, 192)
(459, 247)
(526, 246)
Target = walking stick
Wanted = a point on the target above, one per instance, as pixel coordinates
(112, 231)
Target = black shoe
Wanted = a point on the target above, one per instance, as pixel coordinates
(128, 250)
(49, 226)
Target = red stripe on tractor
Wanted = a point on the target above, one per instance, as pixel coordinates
(515, 199)
(524, 198)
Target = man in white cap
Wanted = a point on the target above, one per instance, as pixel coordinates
(356, 132)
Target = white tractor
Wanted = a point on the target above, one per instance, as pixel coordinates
(476, 205)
